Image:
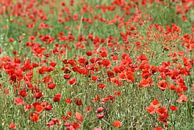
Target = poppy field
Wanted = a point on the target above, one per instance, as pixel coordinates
(97, 64)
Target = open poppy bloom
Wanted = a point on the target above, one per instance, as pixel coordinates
(117, 124)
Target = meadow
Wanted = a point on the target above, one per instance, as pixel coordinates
(97, 64)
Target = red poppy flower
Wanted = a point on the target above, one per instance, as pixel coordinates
(101, 86)
(38, 95)
(68, 101)
(22, 93)
(79, 116)
(12, 126)
(172, 87)
(163, 114)
(117, 124)
(110, 74)
(34, 117)
(94, 78)
(130, 76)
(117, 93)
(53, 63)
(39, 108)
(173, 108)
(158, 128)
(57, 97)
(78, 101)
(100, 116)
(11, 39)
(88, 109)
(51, 85)
(27, 107)
(89, 53)
(66, 76)
(163, 85)
(82, 61)
(150, 109)
(145, 82)
(72, 81)
(155, 103)
(106, 63)
(19, 101)
(182, 98)
(47, 106)
(100, 109)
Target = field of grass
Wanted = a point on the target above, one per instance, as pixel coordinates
(97, 64)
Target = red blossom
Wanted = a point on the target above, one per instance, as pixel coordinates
(19, 101)
(78, 101)
(99, 110)
(68, 101)
(34, 117)
(22, 93)
(158, 128)
(27, 107)
(57, 97)
(79, 116)
(173, 108)
(101, 86)
(39, 108)
(182, 98)
(100, 116)
(117, 124)
(12, 126)
(72, 81)
(51, 85)
(163, 85)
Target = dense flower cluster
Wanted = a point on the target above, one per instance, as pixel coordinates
(82, 64)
